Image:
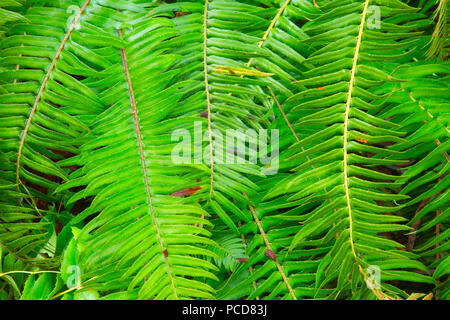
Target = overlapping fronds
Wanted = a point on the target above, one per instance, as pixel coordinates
(342, 196)
(424, 119)
(224, 149)
(42, 60)
(222, 92)
(158, 232)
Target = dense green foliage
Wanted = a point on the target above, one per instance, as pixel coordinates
(93, 205)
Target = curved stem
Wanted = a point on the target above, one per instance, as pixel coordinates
(347, 112)
(208, 98)
(27, 272)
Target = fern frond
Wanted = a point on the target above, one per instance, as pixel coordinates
(214, 60)
(41, 95)
(340, 198)
(424, 118)
(137, 178)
